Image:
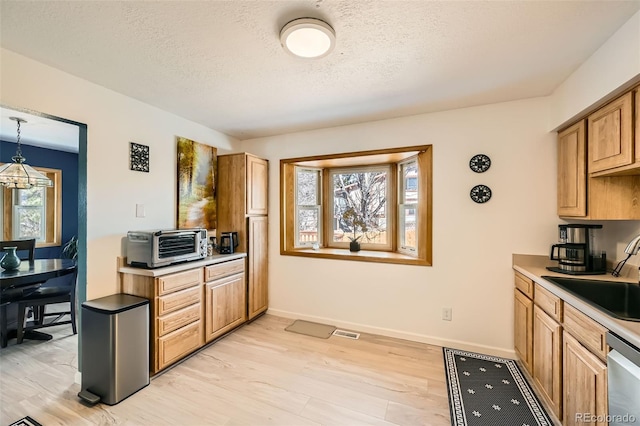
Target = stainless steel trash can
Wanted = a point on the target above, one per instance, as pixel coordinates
(115, 348)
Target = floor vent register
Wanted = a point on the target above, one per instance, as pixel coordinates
(347, 334)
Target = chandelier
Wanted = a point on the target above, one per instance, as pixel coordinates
(19, 175)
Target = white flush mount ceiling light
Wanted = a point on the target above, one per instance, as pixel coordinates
(308, 38)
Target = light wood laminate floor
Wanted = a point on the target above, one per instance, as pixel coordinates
(258, 375)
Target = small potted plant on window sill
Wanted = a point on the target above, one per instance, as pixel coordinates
(351, 217)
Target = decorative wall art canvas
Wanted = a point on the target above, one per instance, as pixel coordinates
(197, 167)
(139, 157)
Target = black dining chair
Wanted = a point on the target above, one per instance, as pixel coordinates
(56, 290)
(12, 295)
(53, 291)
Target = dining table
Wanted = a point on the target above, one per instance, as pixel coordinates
(30, 275)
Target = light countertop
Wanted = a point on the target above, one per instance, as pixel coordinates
(158, 272)
(534, 267)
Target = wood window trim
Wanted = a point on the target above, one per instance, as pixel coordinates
(392, 156)
(53, 212)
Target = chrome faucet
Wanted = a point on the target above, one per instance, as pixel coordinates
(632, 248)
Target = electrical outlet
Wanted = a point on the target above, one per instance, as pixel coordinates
(140, 210)
(446, 314)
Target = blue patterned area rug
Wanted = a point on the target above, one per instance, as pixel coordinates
(486, 390)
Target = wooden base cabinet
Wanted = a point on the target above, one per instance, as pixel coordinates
(523, 329)
(176, 310)
(257, 288)
(185, 311)
(225, 301)
(585, 385)
(547, 358)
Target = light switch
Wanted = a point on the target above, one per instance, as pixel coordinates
(140, 210)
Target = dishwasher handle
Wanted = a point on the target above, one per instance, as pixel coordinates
(625, 348)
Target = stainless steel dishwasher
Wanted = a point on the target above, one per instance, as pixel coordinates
(623, 363)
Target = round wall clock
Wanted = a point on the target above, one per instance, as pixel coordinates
(480, 163)
(480, 194)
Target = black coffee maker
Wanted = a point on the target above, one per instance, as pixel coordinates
(228, 242)
(578, 252)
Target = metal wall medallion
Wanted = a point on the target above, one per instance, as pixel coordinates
(139, 157)
(480, 194)
(480, 163)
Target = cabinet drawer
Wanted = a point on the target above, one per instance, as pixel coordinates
(179, 299)
(174, 282)
(175, 320)
(220, 270)
(587, 331)
(179, 343)
(524, 284)
(549, 302)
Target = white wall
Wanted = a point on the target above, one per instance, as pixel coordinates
(615, 63)
(113, 121)
(472, 244)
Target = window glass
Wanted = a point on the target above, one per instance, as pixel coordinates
(29, 208)
(308, 183)
(407, 211)
(308, 207)
(308, 225)
(29, 223)
(410, 182)
(359, 206)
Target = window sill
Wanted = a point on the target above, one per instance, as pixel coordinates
(360, 256)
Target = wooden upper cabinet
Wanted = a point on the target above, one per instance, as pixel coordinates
(611, 143)
(242, 192)
(610, 194)
(572, 175)
(257, 178)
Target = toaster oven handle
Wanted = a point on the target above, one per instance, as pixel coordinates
(176, 231)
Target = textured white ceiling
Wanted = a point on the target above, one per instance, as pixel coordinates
(220, 63)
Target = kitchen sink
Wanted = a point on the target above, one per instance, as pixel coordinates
(618, 299)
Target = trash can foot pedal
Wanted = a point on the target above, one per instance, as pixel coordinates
(89, 397)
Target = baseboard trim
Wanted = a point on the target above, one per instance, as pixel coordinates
(77, 378)
(414, 337)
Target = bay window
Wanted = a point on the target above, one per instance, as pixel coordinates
(381, 199)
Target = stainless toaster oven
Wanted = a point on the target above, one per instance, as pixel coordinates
(156, 248)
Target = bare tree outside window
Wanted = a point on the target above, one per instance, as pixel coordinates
(29, 209)
(360, 200)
